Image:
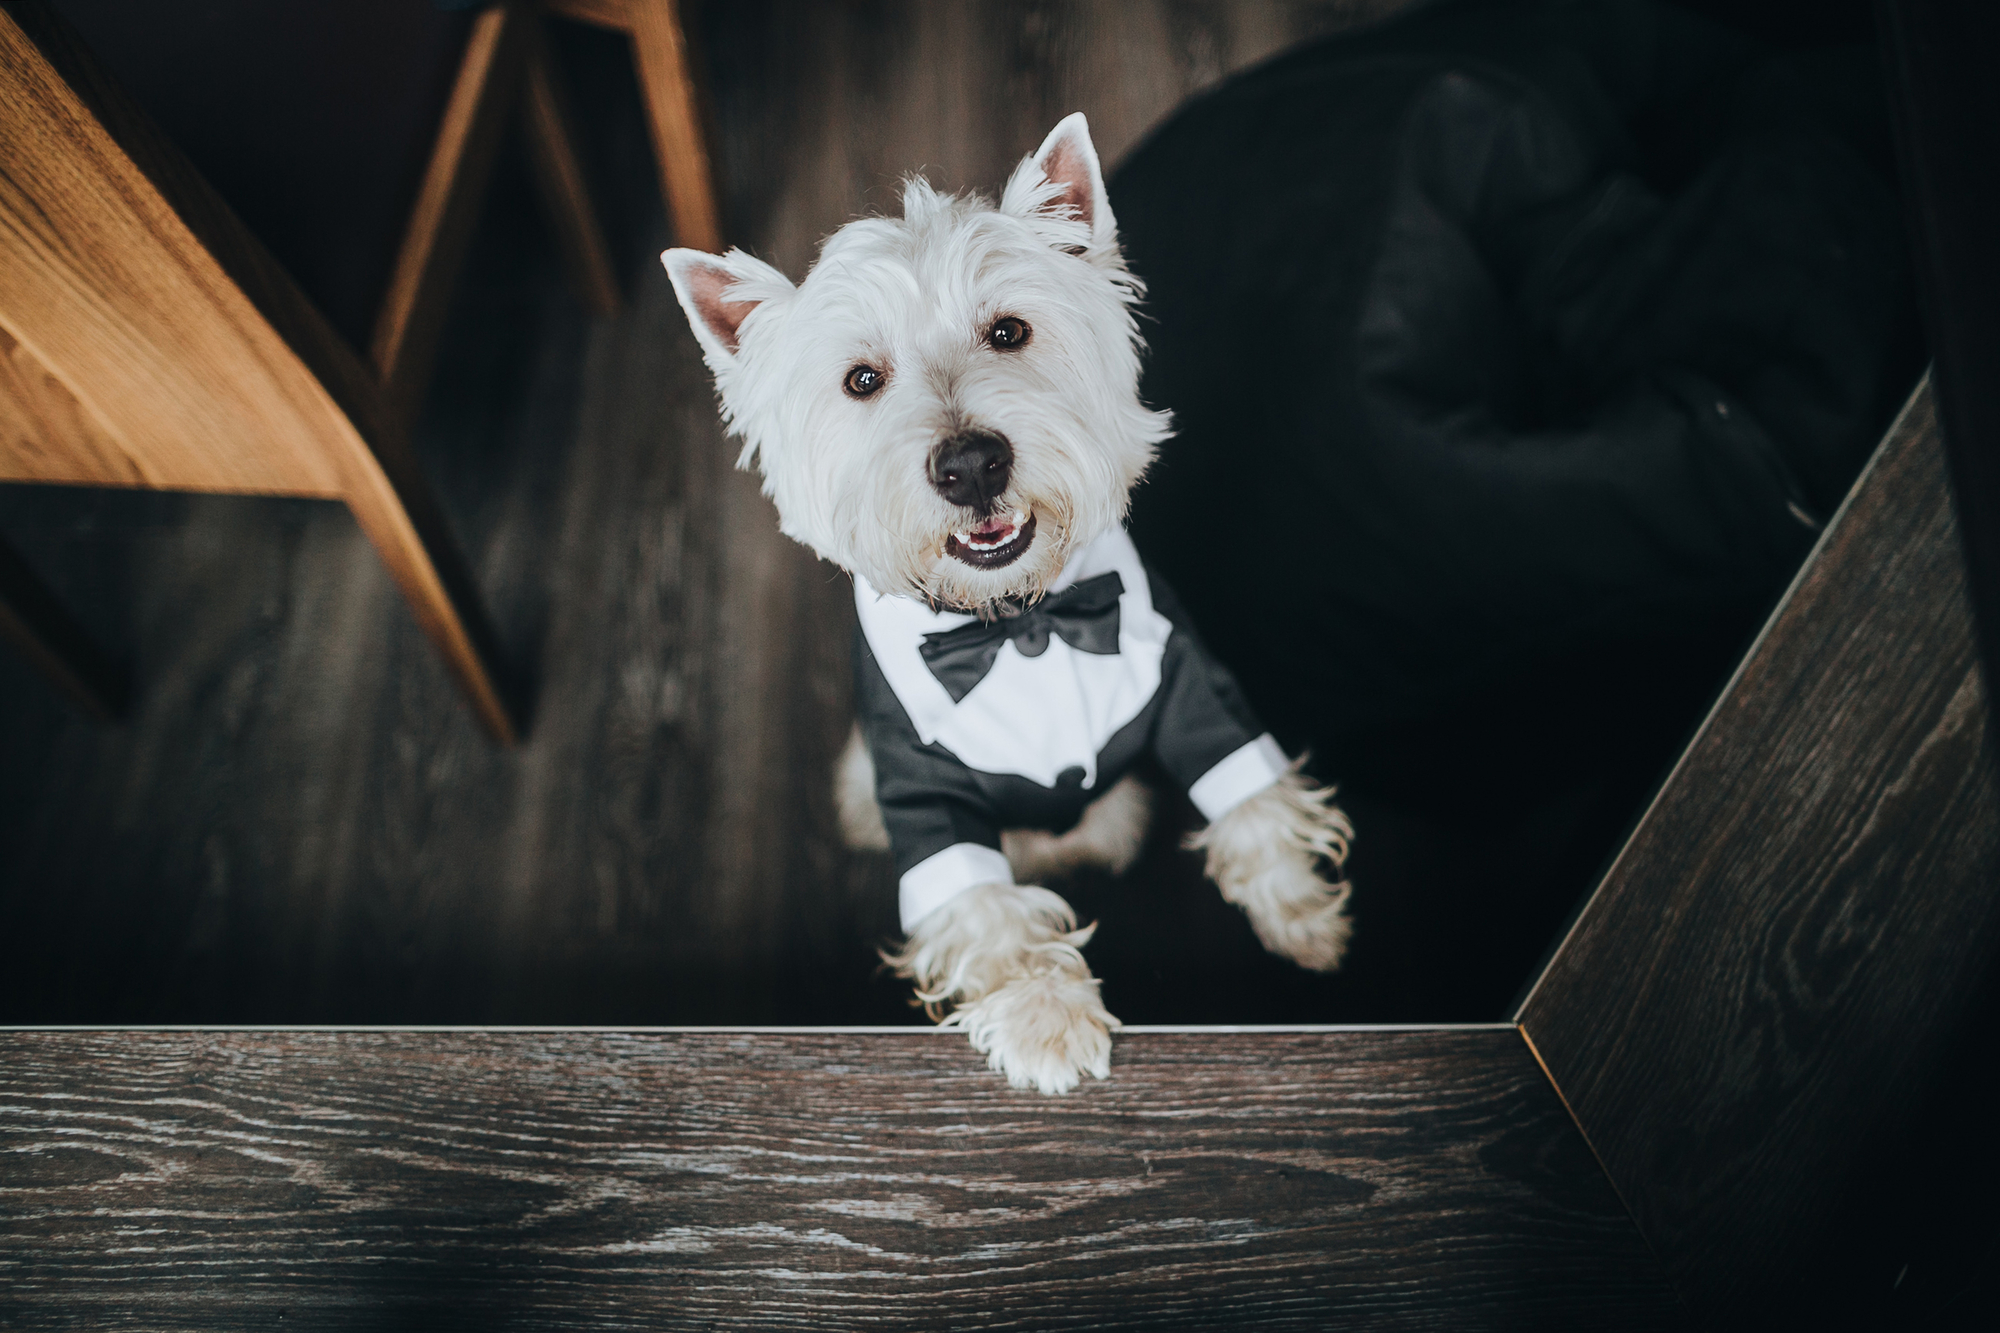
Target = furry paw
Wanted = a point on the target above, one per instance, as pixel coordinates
(1042, 1032)
(1008, 957)
(1265, 855)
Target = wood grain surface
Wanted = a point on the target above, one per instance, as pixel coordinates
(133, 281)
(108, 290)
(1769, 968)
(1423, 1179)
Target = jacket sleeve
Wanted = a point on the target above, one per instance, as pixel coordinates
(1206, 735)
(944, 833)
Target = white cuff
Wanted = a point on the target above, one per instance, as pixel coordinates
(937, 879)
(1236, 779)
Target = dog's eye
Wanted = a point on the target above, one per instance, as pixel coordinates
(1008, 333)
(862, 381)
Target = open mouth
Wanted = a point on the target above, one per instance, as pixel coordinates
(999, 541)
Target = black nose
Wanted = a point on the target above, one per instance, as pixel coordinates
(971, 469)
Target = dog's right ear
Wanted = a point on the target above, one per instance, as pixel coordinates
(701, 280)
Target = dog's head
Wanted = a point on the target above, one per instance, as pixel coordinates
(948, 405)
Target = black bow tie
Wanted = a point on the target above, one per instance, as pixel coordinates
(1085, 617)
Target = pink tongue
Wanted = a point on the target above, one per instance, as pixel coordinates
(993, 527)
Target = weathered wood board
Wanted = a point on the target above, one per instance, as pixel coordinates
(1364, 1179)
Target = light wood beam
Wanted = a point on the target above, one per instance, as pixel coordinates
(132, 281)
(559, 176)
(667, 81)
(454, 184)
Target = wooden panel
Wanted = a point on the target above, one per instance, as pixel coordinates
(221, 375)
(559, 178)
(668, 81)
(1413, 1179)
(47, 435)
(433, 249)
(109, 290)
(1770, 963)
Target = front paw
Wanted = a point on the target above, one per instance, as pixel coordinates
(1044, 1031)
(1301, 917)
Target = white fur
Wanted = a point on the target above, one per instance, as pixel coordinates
(1264, 855)
(861, 825)
(914, 298)
(1008, 959)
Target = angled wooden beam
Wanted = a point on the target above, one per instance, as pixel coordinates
(187, 347)
(668, 81)
(1773, 963)
(454, 185)
(670, 85)
(559, 177)
(42, 632)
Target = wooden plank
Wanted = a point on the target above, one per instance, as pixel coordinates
(884, 1180)
(40, 630)
(211, 366)
(560, 180)
(1767, 969)
(107, 292)
(668, 84)
(433, 249)
(47, 435)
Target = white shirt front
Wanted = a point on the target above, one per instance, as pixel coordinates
(1032, 717)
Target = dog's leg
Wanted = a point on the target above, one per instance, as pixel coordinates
(861, 824)
(1006, 956)
(1109, 837)
(1264, 856)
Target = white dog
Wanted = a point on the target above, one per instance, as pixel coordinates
(948, 408)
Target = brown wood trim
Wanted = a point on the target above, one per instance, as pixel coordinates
(454, 185)
(669, 84)
(40, 630)
(559, 177)
(1771, 963)
(330, 423)
(1360, 1179)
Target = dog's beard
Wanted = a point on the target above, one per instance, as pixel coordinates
(949, 581)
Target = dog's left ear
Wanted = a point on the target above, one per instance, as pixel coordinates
(1068, 160)
(701, 279)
